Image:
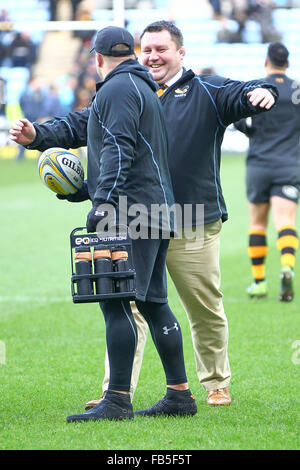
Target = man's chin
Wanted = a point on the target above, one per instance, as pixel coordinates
(157, 76)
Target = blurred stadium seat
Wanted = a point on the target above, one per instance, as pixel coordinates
(32, 10)
(238, 60)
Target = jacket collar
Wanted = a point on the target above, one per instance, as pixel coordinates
(185, 77)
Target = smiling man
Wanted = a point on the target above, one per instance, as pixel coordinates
(163, 53)
(197, 111)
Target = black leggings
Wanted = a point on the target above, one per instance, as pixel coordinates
(121, 339)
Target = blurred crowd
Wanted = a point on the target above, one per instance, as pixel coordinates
(235, 14)
(99, 4)
(75, 89)
(17, 49)
(72, 91)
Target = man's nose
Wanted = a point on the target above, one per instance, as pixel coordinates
(153, 56)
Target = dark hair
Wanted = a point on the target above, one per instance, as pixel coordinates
(278, 54)
(163, 25)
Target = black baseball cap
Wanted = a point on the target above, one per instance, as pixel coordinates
(109, 37)
(278, 54)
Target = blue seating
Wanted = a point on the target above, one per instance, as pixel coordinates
(162, 3)
(31, 10)
(98, 14)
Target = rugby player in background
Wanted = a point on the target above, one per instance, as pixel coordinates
(273, 176)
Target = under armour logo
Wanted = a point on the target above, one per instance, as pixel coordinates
(99, 213)
(166, 329)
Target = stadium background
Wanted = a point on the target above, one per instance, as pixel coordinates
(57, 54)
(51, 352)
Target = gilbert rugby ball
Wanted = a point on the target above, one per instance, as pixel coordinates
(61, 171)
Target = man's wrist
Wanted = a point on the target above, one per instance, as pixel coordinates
(34, 143)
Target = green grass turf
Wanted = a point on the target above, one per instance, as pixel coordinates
(55, 349)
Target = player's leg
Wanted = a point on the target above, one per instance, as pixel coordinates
(121, 340)
(258, 185)
(284, 201)
(194, 268)
(257, 247)
(284, 217)
(164, 327)
(142, 330)
(166, 334)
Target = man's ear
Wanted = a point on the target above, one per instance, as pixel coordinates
(182, 52)
(99, 59)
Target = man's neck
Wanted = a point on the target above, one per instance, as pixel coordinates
(275, 70)
(175, 77)
(106, 69)
(110, 65)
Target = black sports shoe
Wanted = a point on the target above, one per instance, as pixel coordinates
(286, 292)
(172, 404)
(115, 406)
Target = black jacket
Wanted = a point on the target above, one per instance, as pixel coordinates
(197, 110)
(274, 139)
(127, 140)
(127, 143)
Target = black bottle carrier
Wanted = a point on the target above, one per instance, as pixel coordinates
(79, 239)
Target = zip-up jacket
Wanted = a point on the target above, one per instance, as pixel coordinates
(197, 110)
(127, 143)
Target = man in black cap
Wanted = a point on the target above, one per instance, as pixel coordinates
(127, 157)
(273, 176)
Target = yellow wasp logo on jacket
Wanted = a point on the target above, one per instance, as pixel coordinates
(179, 92)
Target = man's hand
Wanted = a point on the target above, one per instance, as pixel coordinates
(22, 132)
(93, 218)
(261, 96)
(81, 195)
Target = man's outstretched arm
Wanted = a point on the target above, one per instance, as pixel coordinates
(66, 132)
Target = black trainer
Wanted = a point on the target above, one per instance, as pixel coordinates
(115, 406)
(174, 403)
(286, 292)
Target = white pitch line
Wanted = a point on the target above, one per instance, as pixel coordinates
(40, 299)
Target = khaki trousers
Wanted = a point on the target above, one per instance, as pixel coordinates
(195, 270)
